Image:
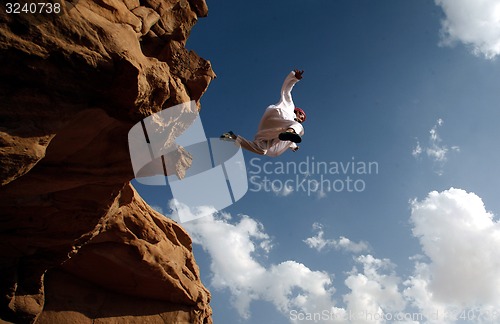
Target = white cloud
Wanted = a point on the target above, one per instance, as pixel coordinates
(462, 242)
(318, 242)
(436, 151)
(283, 191)
(455, 273)
(473, 23)
(322, 193)
(158, 209)
(375, 296)
(417, 150)
(234, 249)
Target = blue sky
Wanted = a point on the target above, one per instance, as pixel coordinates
(412, 86)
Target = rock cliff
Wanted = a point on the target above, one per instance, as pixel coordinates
(77, 243)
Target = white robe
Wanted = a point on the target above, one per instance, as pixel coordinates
(276, 119)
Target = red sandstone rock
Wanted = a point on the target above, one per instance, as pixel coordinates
(72, 86)
(136, 262)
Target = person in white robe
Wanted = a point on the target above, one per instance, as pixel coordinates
(281, 125)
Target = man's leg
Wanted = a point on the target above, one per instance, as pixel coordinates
(250, 146)
(278, 148)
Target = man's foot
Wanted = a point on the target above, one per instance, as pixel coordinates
(228, 136)
(290, 136)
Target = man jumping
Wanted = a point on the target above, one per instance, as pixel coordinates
(281, 125)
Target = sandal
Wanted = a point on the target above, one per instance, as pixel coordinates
(229, 136)
(289, 136)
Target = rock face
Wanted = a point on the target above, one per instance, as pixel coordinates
(145, 263)
(77, 243)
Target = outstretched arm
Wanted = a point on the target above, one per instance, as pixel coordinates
(286, 90)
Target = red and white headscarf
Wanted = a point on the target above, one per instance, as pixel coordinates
(300, 110)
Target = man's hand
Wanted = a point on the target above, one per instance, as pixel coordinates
(298, 74)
